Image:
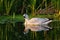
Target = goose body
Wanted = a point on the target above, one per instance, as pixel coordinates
(36, 24)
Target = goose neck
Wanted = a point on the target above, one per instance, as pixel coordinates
(26, 20)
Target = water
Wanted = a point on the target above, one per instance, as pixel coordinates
(14, 31)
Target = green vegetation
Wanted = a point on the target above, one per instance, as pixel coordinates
(12, 21)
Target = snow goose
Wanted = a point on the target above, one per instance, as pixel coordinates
(36, 24)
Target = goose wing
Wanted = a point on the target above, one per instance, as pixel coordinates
(38, 20)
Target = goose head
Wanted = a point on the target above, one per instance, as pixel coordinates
(25, 16)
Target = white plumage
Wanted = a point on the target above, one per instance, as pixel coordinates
(36, 24)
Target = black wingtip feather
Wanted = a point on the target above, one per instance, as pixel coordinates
(50, 18)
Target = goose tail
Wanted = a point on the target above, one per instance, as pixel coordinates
(48, 22)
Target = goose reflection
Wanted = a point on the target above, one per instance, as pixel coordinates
(36, 24)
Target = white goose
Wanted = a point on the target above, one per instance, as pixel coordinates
(36, 24)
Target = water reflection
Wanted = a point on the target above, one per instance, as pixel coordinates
(10, 32)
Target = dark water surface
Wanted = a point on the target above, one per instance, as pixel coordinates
(14, 31)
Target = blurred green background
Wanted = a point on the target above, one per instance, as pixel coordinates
(12, 21)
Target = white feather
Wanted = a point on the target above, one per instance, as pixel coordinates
(36, 24)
